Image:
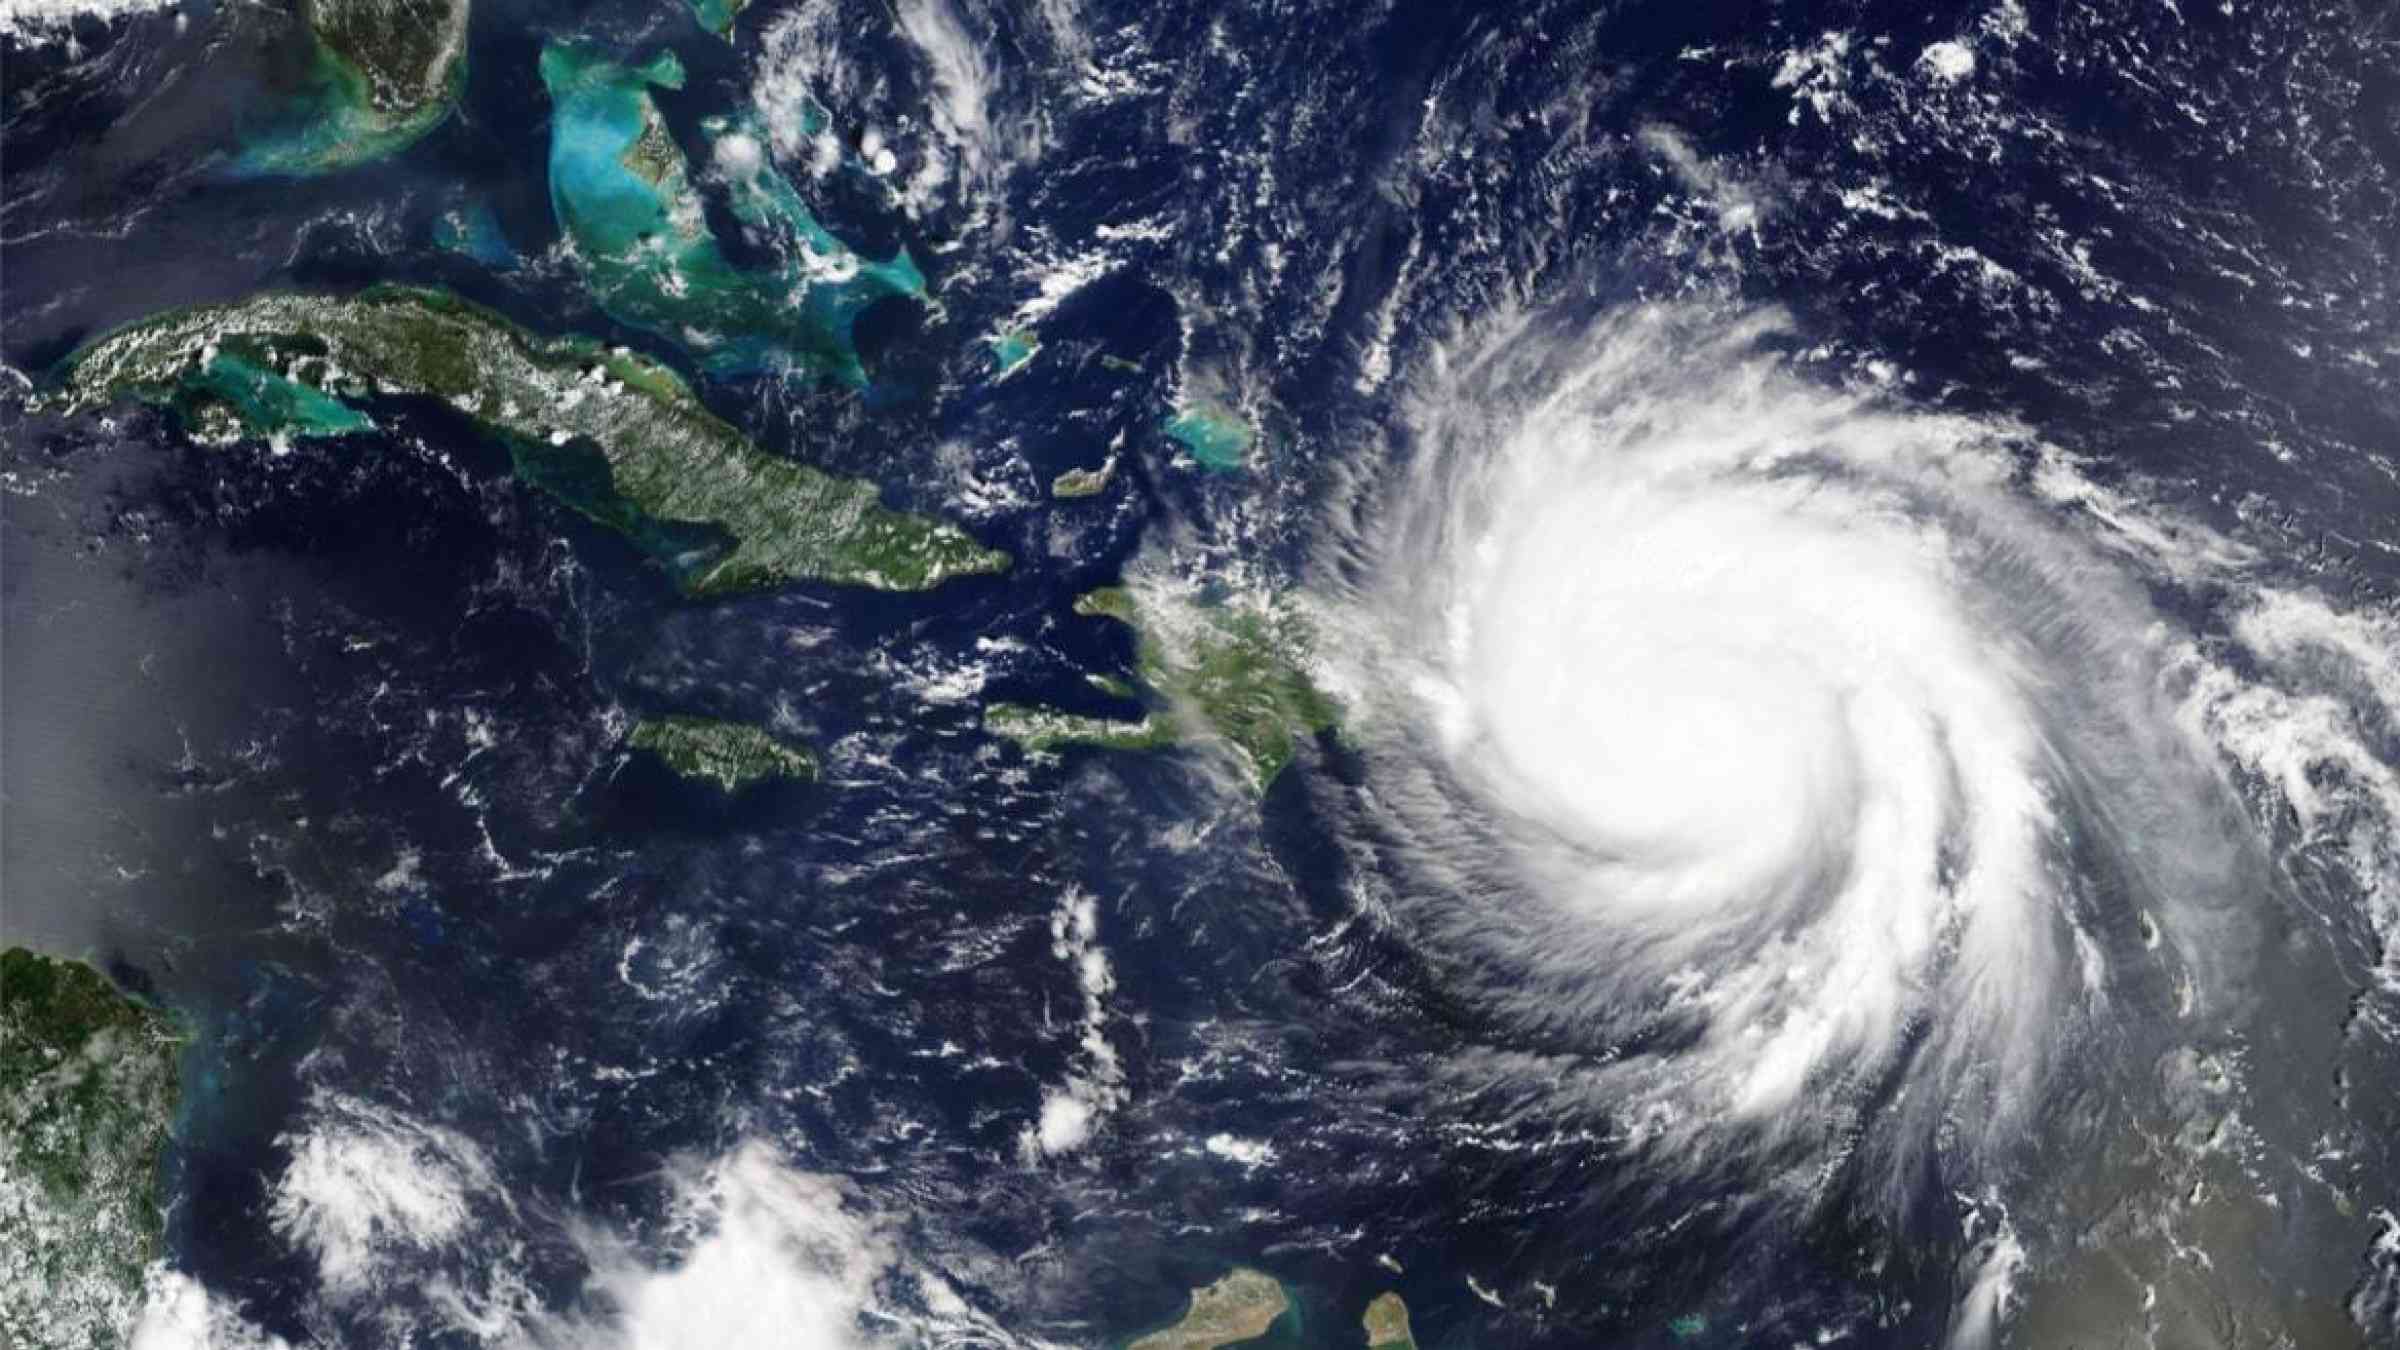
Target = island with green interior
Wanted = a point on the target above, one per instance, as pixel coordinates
(1078, 483)
(1038, 728)
(88, 1094)
(383, 73)
(617, 436)
(1238, 1308)
(732, 755)
(1231, 673)
(1386, 1322)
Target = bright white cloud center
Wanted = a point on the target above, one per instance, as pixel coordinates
(1758, 703)
(1732, 678)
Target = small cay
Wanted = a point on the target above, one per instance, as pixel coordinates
(1075, 483)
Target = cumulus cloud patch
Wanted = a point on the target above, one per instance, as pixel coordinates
(780, 1258)
(770, 1255)
(54, 20)
(367, 1188)
(2308, 727)
(1071, 1111)
(179, 1313)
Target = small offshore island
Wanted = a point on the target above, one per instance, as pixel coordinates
(1234, 673)
(1386, 1322)
(1079, 483)
(88, 1094)
(1238, 1308)
(661, 469)
(1242, 1307)
(732, 755)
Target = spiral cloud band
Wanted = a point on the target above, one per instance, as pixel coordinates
(1774, 737)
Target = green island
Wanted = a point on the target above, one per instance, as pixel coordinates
(88, 1094)
(1218, 439)
(383, 74)
(732, 755)
(1075, 483)
(624, 198)
(1225, 672)
(1238, 1308)
(1386, 1322)
(615, 435)
(1048, 728)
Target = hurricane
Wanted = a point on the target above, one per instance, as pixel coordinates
(1180, 676)
(1759, 741)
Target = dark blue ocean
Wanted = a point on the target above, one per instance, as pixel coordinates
(320, 746)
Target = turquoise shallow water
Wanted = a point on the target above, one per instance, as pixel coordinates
(622, 192)
(290, 672)
(474, 231)
(1011, 350)
(1218, 440)
(334, 125)
(264, 398)
(717, 16)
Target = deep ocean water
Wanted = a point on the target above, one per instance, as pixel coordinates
(1666, 674)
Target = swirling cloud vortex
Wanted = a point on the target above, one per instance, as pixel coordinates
(1756, 710)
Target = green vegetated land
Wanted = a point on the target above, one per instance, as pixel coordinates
(1244, 1306)
(732, 755)
(1075, 483)
(1386, 1322)
(88, 1094)
(1238, 1308)
(613, 434)
(383, 74)
(1231, 673)
(717, 16)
